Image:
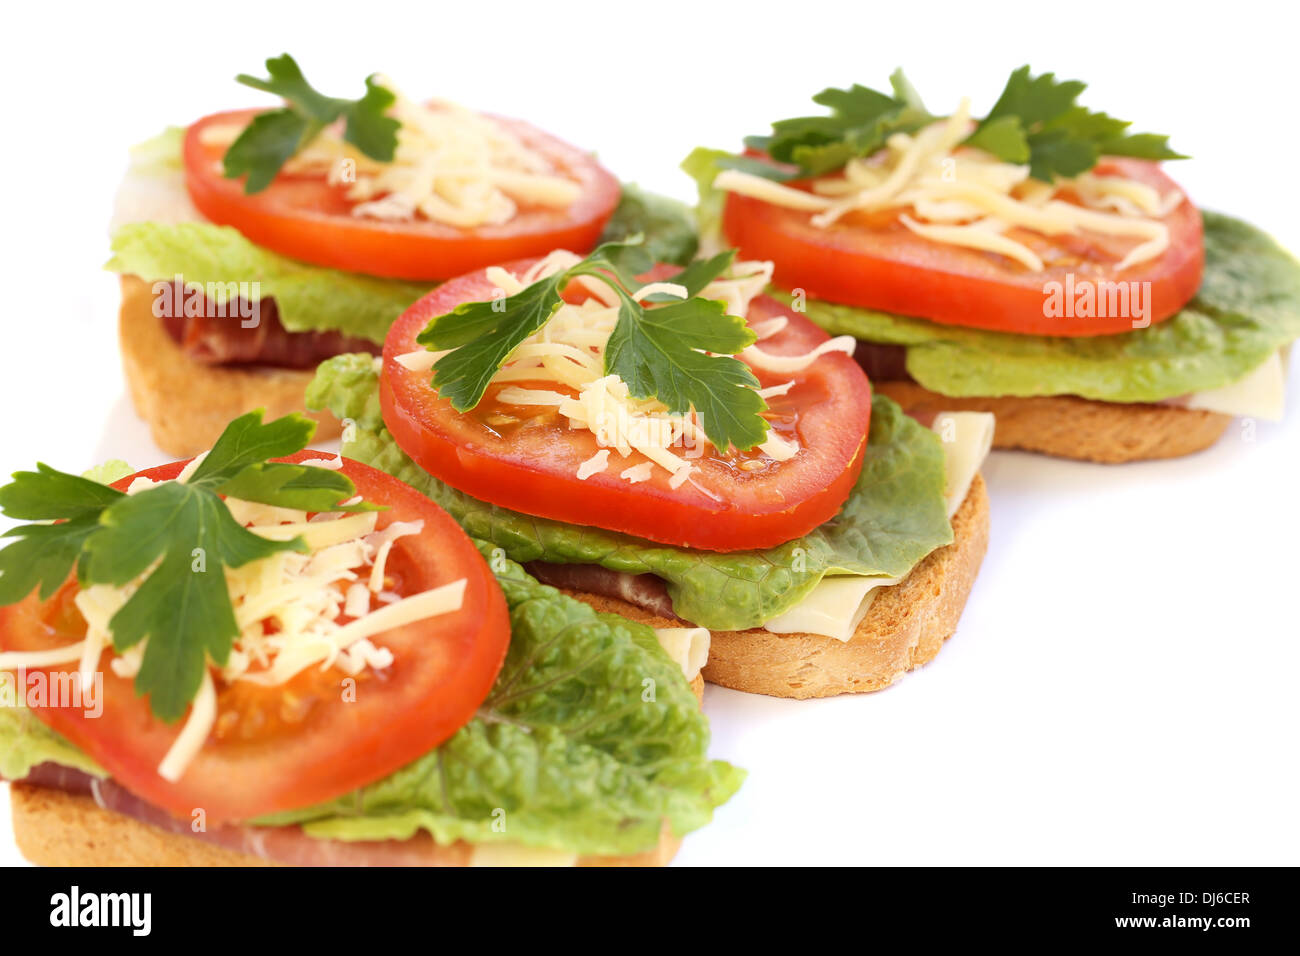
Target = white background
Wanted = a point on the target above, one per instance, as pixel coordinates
(1123, 685)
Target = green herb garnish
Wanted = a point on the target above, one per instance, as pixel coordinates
(657, 350)
(1036, 121)
(860, 122)
(273, 137)
(184, 532)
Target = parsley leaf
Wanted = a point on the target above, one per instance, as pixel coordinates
(1035, 99)
(657, 351)
(861, 120)
(47, 494)
(45, 554)
(273, 137)
(483, 335)
(696, 276)
(43, 557)
(1004, 137)
(1037, 121)
(266, 144)
(183, 606)
(181, 535)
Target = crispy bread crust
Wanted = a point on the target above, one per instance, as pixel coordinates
(904, 628)
(186, 404)
(54, 828)
(1070, 427)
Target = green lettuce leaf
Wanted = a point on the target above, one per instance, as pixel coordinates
(590, 739)
(108, 472)
(703, 165)
(894, 517)
(1247, 308)
(309, 298)
(161, 154)
(26, 742)
(666, 225)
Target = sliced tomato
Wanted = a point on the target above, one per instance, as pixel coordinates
(526, 458)
(300, 743)
(876, 262)
(307, 218)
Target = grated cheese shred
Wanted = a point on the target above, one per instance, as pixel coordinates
(451, 166)
(568, 354)
(960, 195)
(286, 607)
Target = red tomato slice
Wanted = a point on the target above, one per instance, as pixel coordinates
(298, 744)
(306, 218)
(526, 458)
(874, 261)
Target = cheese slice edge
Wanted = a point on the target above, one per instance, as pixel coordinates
(837, 605)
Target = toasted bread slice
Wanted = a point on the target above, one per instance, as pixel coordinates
(903, 629)
(1070, 427)
(54, 828)
(187, 404)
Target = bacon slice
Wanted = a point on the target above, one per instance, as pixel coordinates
(645, 591)
(213, 339)
(883, 363)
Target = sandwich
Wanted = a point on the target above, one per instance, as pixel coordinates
(1036, 263)
(270, 655)
(255, 243)
(674, 446)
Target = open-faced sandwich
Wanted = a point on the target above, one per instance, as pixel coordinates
(677, 447)
(271, 655)
(1036, 263)
(255, 243)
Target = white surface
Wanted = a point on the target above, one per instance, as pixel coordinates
(1121, 689)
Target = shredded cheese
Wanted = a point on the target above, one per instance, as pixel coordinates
(451, 166)
(594, 465)
(13, 660)
(959, 195)
(301, 596)
(788, 364)
(188, 743)
(568, 353)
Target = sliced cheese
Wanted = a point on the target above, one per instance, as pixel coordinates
(967, 439)
(1261, 394)
(837, 605)
(687, 646)
(834, 608)
(153, 189)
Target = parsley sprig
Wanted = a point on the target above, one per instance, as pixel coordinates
(1036, 120)
(860, 121)
(184, 532)
(273, 137)
(658, 347)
